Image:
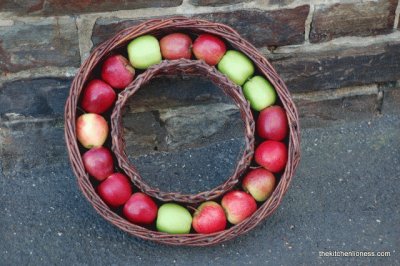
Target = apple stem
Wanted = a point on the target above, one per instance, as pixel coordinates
(80, 109)
(192, 208)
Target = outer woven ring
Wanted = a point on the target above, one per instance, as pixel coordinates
(158, 27)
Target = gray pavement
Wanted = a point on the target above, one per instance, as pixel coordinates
(344, 197)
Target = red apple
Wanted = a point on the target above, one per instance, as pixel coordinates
(176, 45)
(117, 71)
(98, 163)
(91, 130)
(209, 218)
(260, 183)
(115, 190)
(272, 123)
(238, 205)
(209, 48)
(97, 97)
(140, 209)
(272, 155)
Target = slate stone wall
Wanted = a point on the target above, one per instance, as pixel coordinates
(340, 60)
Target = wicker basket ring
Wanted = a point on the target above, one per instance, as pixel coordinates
(158, 28)
(185, 67)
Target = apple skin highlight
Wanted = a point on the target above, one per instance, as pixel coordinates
(238, 206)
(209, 218)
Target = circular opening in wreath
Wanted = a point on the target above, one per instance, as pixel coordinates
(186, 141)
(183, 134)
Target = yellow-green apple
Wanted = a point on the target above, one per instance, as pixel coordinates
(238, 205)
(115, 190)
(174, 219)
(144, 51)
(272, 155)
(91, 130)
(97, 97)
(175, 46)
(272, 123)
(260, 183)
(140, 209)
(237, 66)
(98, 162)
(209, 48)
(117, 71)
(209, 218)
(259, 92)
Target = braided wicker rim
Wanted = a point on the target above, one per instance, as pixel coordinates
(157, 27)
(186, 67)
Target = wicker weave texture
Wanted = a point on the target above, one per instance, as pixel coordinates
(159, 27)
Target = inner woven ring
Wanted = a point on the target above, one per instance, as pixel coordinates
(186, 67)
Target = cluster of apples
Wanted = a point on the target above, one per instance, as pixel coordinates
(115, 189)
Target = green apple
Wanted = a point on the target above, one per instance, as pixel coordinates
(144, 51)
(259, 92)
(174, 219)
(237, 66)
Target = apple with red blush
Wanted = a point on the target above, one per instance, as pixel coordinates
(175, 46)
(115, 190)
(117, 71)
(209, 218)
(91, 130)
(209, 48)
(272, 123)
(272, 155)
(97, 97)
(260, 183)
(140, 209)
(238, 206)
(98, 163)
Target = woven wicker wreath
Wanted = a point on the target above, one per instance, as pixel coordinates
(160, 28)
